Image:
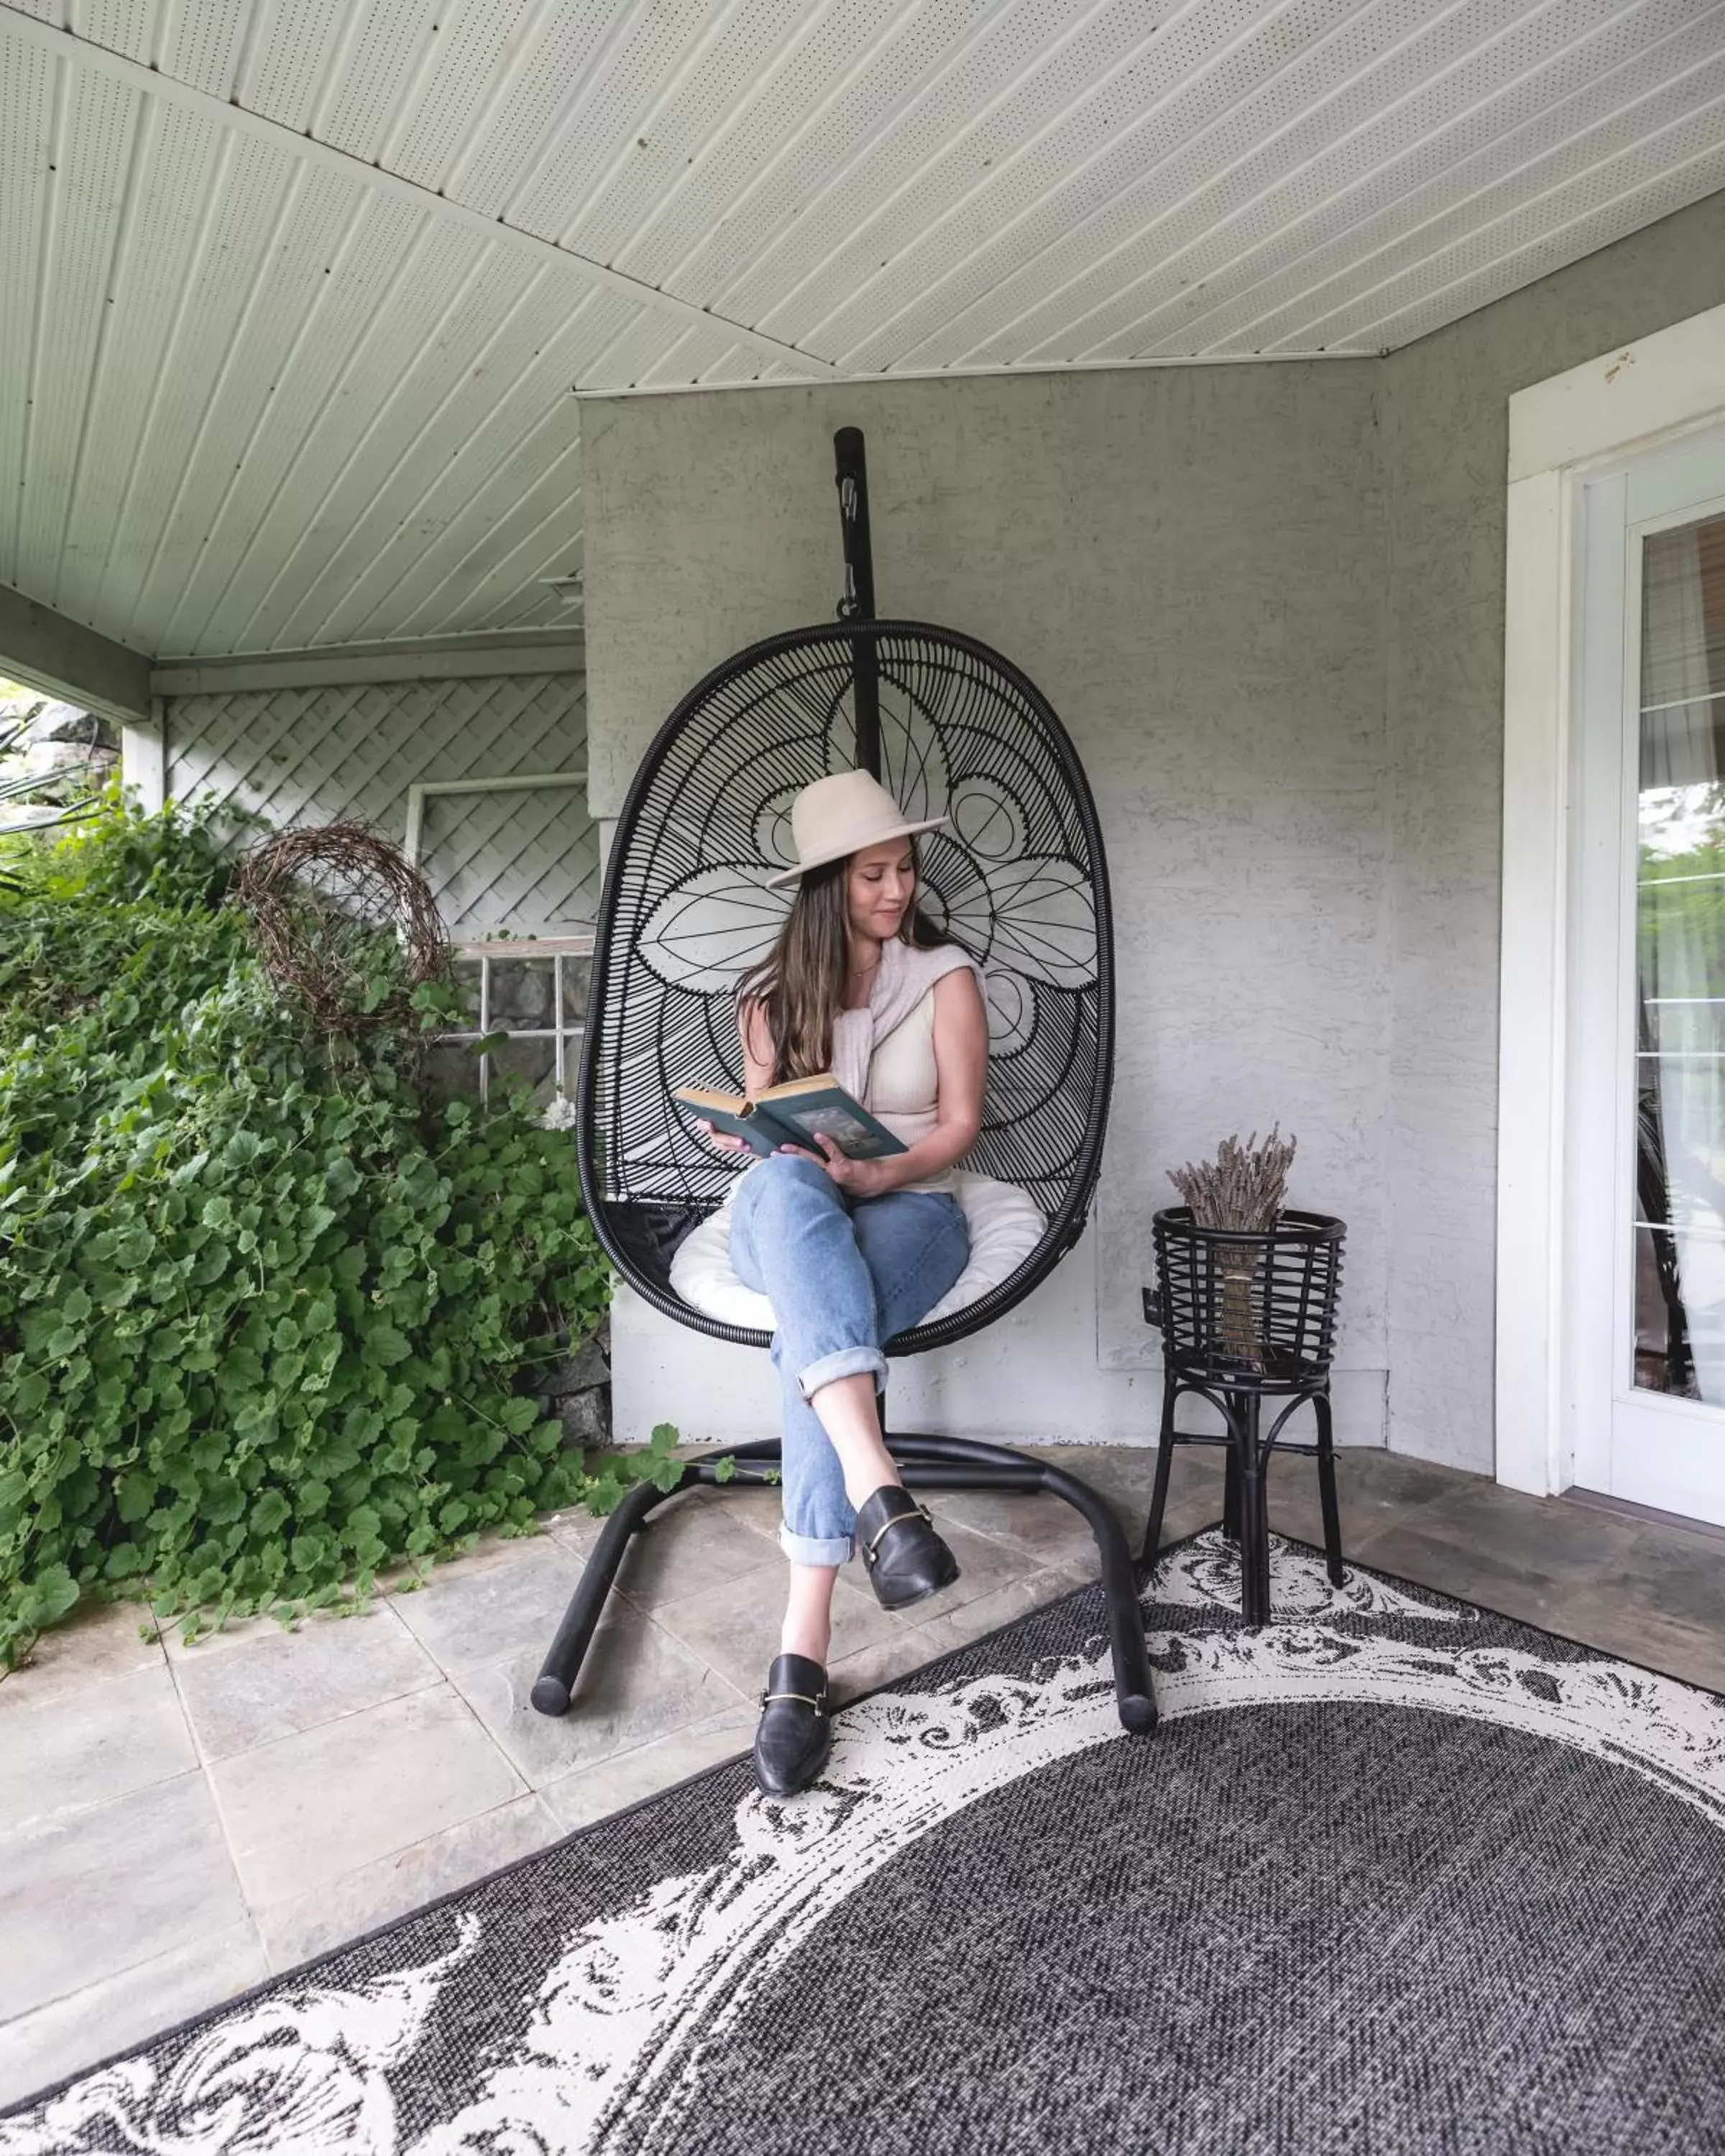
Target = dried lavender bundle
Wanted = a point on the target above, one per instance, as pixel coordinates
(1243, 1187)
(1240, 1192)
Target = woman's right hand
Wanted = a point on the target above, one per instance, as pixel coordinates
(723, 1139)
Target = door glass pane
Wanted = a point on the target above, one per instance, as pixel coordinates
(1679, 940)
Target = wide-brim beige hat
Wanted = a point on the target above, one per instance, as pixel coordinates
(841, 815)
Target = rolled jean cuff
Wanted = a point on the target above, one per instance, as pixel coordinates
(846, 1362)
(815, 1549)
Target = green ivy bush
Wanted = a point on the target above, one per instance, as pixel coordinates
(268, 1319)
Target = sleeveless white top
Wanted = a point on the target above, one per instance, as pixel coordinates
(904, 1084)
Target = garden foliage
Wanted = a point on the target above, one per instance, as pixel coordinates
(268, 1319)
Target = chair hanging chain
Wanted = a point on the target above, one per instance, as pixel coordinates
(848, 606)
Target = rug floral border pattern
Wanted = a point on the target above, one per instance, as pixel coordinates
(611, 2056)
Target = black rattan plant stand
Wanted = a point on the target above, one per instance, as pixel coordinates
(1018, 877)
(1247, 1319)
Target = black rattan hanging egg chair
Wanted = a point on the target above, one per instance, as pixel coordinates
(1017, 877)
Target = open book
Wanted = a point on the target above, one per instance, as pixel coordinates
(792, 1114)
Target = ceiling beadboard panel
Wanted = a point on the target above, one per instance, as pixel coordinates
(298, 291)
(203, 44)
(1436, 181)
(96, 134)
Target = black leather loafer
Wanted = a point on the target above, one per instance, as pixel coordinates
(795, 1732)
(903, 1556)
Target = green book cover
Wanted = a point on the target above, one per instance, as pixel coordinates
(792, 1114)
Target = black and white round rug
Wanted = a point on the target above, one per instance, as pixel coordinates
(1395, 1875)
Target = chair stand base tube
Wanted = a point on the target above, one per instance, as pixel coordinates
(926, 1463)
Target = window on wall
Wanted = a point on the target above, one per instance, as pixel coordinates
(533, 992)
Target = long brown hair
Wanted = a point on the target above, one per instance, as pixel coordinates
(799, 988)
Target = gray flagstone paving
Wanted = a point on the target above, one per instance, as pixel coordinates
(176, 1822)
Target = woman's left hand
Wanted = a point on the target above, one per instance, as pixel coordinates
(857, 1179)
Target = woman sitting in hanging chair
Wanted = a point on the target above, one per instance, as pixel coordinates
(850, 1252)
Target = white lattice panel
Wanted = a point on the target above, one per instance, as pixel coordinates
(524, 862)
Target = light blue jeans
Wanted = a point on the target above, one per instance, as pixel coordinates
(843, 1277)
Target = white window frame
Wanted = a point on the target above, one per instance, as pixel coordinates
(418, 792)
(565, 1034)
(1562, 431)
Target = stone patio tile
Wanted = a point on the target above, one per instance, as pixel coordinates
(89, 1647)
(276, 1683)
(500, 1600)
(734, 1627)
(895, 1656)
(593, 1793)
(89, 1744)
(1126, 1475)
(1186, 1515)
(389, 1886)
(309, 1808)
(958, 1628)
(238, 1632)
(1524, 1588)
(576, 1529)
(984, 1566)
(84, 1897)
(1563, 1542)
(689, 1548)
(1599, 1615)
(1380, 1474)
(1042, 1530)
(41, 2048)
(1666, 1573)
(636, 1684)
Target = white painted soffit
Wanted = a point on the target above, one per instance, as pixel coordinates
(298, 291)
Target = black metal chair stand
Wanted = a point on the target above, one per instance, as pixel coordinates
(1018, 877)
(1247, 1319)
(926, 1463)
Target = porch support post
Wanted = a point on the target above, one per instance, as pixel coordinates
(143, 757)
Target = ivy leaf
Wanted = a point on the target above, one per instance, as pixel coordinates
(133, 1498)
(50, 1595)
(388, 1344)
(270, 1512)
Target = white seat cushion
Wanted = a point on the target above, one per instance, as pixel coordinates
(1005, 1225)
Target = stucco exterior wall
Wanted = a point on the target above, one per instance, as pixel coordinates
(1268, 601)
(1445, 405)
(1189, 563)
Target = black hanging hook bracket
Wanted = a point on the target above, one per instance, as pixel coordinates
(852, 474)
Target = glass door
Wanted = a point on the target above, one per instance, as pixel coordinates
(1646, 1155)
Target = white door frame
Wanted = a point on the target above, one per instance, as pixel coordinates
(1560, 431)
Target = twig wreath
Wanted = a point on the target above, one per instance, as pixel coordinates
(319, 904)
